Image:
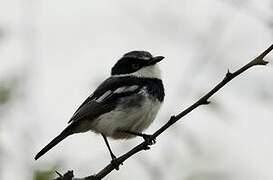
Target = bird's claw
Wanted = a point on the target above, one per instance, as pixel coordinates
(115, 162)
(149, 140)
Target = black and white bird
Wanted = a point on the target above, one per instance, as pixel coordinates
(124, 105)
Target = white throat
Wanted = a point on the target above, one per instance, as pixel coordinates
(147, 72)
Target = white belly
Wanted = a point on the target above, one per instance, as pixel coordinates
(134, 119)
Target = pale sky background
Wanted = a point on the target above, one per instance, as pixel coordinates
(60, 50)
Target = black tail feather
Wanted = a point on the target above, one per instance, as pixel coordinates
(66, 132)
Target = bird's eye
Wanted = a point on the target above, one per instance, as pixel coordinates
(135, 66)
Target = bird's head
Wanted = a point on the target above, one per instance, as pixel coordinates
(137, 63)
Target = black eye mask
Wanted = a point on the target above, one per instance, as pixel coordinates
(128, 65)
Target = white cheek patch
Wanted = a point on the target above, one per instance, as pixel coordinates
(145, 72)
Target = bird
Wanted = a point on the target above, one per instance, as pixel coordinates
(123, 105)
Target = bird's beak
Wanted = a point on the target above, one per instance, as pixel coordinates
(156, 59)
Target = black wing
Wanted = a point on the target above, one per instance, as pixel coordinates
(104, 97)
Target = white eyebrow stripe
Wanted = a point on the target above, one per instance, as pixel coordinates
(126, 89)
(106, 94)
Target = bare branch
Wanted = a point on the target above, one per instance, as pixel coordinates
(202, 101)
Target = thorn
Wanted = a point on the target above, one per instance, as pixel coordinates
(259, 61)
(228, 74)
(204, 102)
(146, 147)
(173, 118)
(59, 174)
(207, 102)
(264, 62)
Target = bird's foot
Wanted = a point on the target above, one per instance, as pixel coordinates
(115, 162)
(149, 140)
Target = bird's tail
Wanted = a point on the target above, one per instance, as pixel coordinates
(65, 133)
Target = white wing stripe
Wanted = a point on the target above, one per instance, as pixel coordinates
(126, 89)
(117, 91)
(106, 94)
(120, 90)
(132, 88)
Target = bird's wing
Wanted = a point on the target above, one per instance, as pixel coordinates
(91, 110)
(105, 97)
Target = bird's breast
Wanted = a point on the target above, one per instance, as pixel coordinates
(134, 113)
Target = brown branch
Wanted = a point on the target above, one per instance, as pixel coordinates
(202, 101)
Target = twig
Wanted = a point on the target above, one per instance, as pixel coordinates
(67, 176)
(202, 101)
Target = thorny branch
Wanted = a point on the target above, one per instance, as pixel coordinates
(259, 60)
